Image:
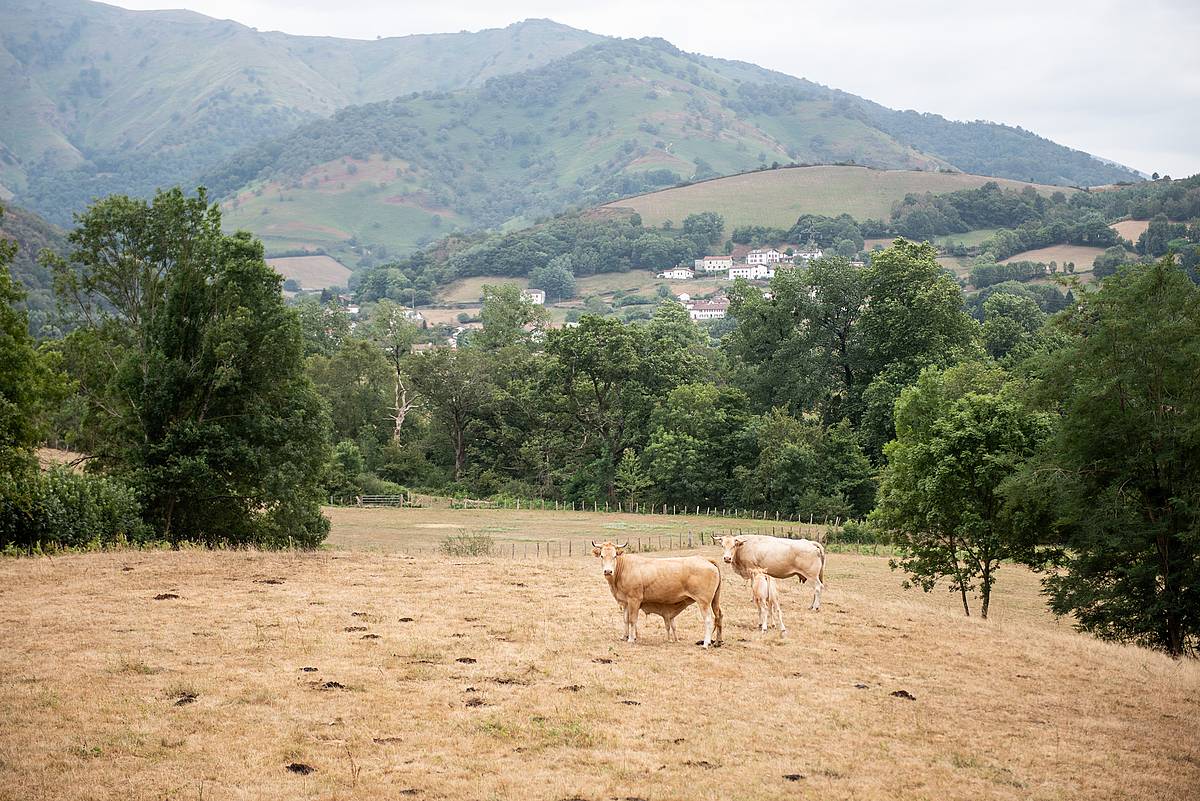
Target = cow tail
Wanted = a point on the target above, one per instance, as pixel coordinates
(821, 574)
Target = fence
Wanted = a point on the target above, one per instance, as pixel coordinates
(670, 541)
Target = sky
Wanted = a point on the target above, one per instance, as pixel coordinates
(1120, 80)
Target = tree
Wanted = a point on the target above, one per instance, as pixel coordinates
(1010, 323)
(324, 326)
(509, 318)
(190, 368)
(630, 481)
(1121, 471)
(555, 279)
(959, 437)
(455, 384)
(704, 229)
(390, 329)
(26, 382)
(355, 381)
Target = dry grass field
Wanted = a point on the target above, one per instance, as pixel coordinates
(1082, 255)
(402, 674)
(1131, 229)
(313, 272)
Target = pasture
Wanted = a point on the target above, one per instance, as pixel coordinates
(313, 272)
(1131, 229)
(1082, 255)
(777, 197)
(379, 669)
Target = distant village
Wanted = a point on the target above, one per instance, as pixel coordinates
(755, 265)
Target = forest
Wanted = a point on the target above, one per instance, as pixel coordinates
(968, 435)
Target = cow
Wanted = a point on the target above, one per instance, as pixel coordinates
(778, 557)
(662, 586)
(765, 593)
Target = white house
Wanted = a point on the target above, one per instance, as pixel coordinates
(768, 256)
(535, 296)
(677, 274)
(752, 272)
(807, 253)
(714, 264)
(708, 309)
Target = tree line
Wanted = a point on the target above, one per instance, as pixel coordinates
(971, 436)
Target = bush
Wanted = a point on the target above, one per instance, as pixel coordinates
(856, 532)
(473, 544)
(61, 509)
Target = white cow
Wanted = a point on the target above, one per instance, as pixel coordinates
(778, 557)
(765, 593)
(662, 586)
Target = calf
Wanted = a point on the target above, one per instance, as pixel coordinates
(765, 592)
(662, 586)
(778, 557)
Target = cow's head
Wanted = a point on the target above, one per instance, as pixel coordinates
(730, 544)
(608, 553)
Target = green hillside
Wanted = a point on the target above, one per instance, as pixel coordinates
(100, 99)
(775, 198)
(33, 234)
(605, 122)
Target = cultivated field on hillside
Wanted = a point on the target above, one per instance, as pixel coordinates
(470, 290)
(398, 674)
(1082, 255)
(313, 272)
(777, 197)
(1131, 229)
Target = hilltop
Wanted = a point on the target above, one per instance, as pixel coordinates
(100, 99)
(777, 197)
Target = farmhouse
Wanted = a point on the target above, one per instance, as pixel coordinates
(714, 309)
(768, 256)
(752, 272)
(807, 253)
(535, 296)
(714, 264)
(678, 274)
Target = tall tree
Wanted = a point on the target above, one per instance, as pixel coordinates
(25, 381)
(391, 329)
(191, 369)
(1122, 469)
(509, 318)
(959, 437)
(456, 385)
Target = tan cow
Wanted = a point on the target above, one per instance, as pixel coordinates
(778, 557)
(662, 586)
(765, 593)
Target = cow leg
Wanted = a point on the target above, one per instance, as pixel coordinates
(670, 621)
(779, 615)
(818, 585)
(708, 624)
(631, 620)
(763, 623)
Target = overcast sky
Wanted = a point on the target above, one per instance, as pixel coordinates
(1120, 80)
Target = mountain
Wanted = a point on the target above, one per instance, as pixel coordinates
(100, 99)
(33, 234)
(613, 119)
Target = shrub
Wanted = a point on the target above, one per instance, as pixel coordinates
(468, 544)
(61, 509)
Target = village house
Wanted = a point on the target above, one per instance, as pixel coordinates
(714, 309)
(535, 296)
(807, 253)
(768, 256)
(714, 264)
(752, 272)
(677, 274)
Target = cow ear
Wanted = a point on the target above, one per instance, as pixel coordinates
(739, 541)
(595, 551)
